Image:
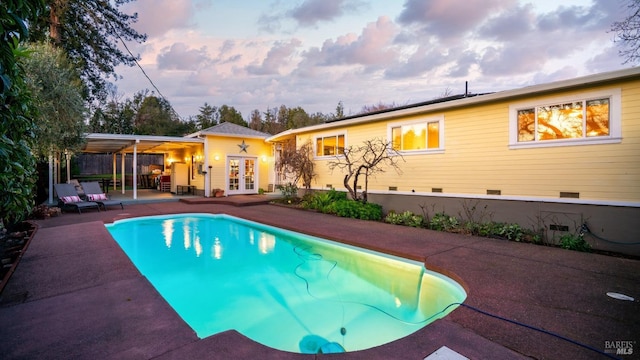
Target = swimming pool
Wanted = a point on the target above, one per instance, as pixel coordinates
(286, 290)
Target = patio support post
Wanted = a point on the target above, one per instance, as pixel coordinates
(50, 178)
(122, 172)
(134, 180)
(67, 156)
(56, 170)
(115, 169)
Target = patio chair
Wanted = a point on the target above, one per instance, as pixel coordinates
(69, 198)
(94, 193)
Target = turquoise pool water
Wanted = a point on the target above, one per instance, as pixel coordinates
(286, 290)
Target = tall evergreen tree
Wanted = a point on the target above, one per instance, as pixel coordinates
(230, 114)
(255, 121)
(89, 32)
(208, 116)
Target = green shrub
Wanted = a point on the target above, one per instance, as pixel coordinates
(317, 201)
(320, 200)
(289, 191)
(443, 222)
(511, 231)
(355, 209)
(394, 218)
(574, 242)
(406, 218)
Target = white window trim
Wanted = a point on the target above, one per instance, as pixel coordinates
(439, 119)
(615, 120)
(324, 135)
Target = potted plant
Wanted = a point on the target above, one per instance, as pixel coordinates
(218, 192)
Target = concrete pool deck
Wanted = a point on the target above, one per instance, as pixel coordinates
(75, 294)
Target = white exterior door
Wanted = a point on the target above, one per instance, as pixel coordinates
(242, 175)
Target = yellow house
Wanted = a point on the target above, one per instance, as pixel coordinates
(552, 156)
(236, 160)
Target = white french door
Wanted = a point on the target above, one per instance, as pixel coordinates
(241, 175)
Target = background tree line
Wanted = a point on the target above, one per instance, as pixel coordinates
(149, 114)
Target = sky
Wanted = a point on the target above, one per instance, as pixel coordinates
(260, 54)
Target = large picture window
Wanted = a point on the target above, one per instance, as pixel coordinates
(595, 117)
(330, 145)
(417, 136)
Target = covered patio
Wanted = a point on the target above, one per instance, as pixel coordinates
(174, 149)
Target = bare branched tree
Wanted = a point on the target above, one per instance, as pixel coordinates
(297, 163)
(628, 33)
(368, 159)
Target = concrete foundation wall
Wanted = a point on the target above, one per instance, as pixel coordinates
(610, 226)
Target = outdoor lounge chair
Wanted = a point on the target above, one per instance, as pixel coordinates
(94, 193)
(69, 198)
(78, 187)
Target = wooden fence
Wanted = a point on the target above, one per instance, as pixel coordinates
(98, 164)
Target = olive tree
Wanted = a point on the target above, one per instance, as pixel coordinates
(57, 90)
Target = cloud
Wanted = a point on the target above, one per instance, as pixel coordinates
(604, 61)
(311, 12)
(509, 25)
(426, 58)
(180, 57)
(600, 15)
(157, 17)
(278, 56)
(372, 49)
(449, 18)
(566, 72)
(538, 40)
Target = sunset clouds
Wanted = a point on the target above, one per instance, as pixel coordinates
(315, 53)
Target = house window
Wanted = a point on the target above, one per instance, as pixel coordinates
(330, 145)
(593, 118)
(417, 137)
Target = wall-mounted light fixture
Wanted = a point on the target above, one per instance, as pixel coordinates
(216, 157)
(264, 158)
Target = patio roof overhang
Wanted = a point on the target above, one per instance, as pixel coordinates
(116, 143)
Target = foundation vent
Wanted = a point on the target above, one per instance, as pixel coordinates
(359, 187)
(556, 227)
(494, 192)
(393, 188)
(436, 190)
(329, 186)
(569, 195)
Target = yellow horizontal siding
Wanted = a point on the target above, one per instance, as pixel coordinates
(223, 147)
(477, 157)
